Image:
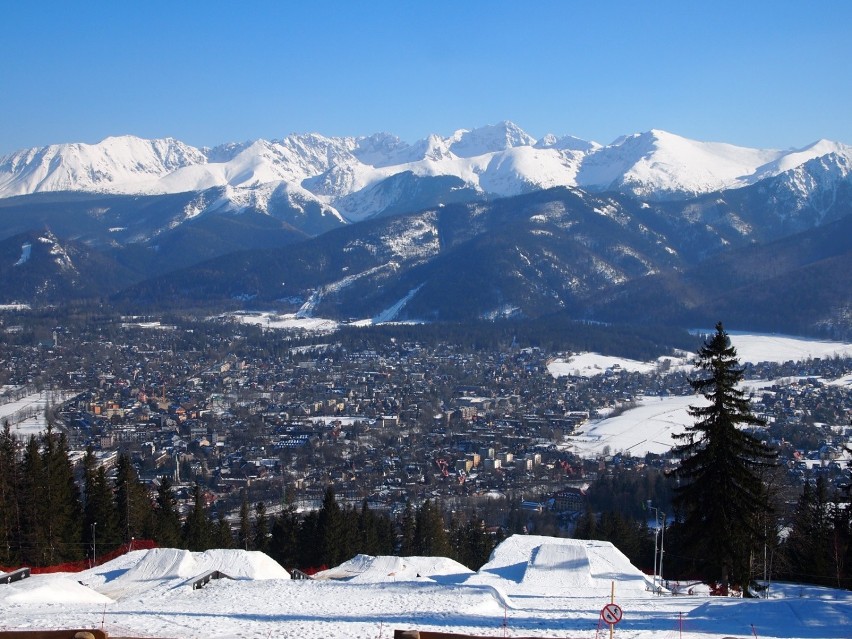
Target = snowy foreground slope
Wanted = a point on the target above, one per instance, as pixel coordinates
(532, 586)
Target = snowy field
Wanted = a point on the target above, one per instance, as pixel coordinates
(533, 586)
(285, 321)
(26, 414)
(649, 426)
(751, 348)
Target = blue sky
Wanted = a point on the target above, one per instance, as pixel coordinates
(764, 74)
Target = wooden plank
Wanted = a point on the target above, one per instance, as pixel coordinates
(427, 634)
(86, 633)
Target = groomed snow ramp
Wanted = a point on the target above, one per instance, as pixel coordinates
(163, 563)
(537, 565)
(167, 568)
(387, 568)
(241, 564)
(561, 566)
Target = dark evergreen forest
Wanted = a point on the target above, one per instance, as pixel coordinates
(52, 513)
(46, 519)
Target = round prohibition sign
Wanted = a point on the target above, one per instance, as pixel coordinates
(611, 613)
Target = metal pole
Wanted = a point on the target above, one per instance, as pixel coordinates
(656, 531)
(94, 544)
(662, 549)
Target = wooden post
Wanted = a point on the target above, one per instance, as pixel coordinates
(612, 600)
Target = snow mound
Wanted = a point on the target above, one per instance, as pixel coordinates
(166, 568)
(164, 563)
(558, 566)
(536, 565)
(241, 564)
(369, 569)
(51, 589)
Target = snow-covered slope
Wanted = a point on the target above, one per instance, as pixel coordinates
(657, 163)
(385, 569)
(535, 565)
(122, 164)
(342, 175)
(532, 587)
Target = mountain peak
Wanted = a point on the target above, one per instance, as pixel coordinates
(566, 143)
(489, 139)
(496, 159)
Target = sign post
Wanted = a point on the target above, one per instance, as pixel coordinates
(611, 614)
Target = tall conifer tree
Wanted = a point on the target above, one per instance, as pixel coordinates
(244, 539)
(100, 517)
(166, 518)
(430, 537)
(35, 525)
(409, 526)
(261, 528)
(196, 529)
(132, 502)
(10, 524)
(222, 535)
(721, 497)
(809, 548)
(330, 532)
(63, 493)
(284, 544)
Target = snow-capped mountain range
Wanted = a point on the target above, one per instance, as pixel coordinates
(357, 178)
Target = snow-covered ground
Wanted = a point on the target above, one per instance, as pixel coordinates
(751, 348)
(533, 586)
(649, 426)
(286, 321)
(26, 414)
(757, 348)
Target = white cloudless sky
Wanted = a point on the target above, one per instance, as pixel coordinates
(759, 73)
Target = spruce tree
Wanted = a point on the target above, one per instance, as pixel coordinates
(409, 526)
(587, 525)
(430, 537)
(472, 545)
(368, 531)
(64, 507)
(721, 498)
(10, 523)
(841, 542)
(331, 535)
(166, 517)
(100, 517)
(35, 524)
(261, 528)
(51, 513)
(284, 545)
(310, 551)
(222, 535)
(802, 546)
(132, 502)
(196, 528)
(386, 535)
(244, 539)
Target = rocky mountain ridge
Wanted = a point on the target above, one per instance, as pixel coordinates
(355, 178)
